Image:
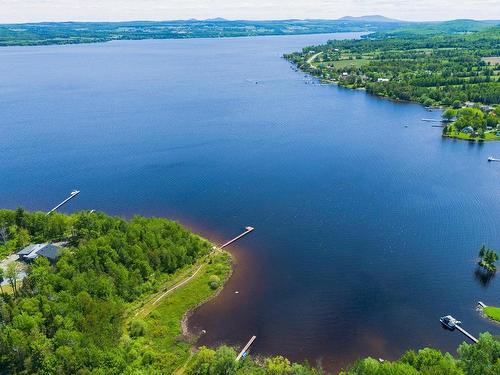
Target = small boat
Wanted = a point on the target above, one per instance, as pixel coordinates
(75, 192)
(449, 322)
(491, 158)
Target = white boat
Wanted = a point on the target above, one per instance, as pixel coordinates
(75, 192)
(449, 322)
(491, 158)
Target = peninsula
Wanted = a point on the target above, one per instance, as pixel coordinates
(454, 64)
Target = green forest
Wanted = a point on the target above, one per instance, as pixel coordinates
(84, 315)
(91, 312)
(443, 65)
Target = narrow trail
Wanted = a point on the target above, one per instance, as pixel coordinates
(313, 57)
(150, 306)
(177, 286)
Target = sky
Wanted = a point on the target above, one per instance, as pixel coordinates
(15, 11)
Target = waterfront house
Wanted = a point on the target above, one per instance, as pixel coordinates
(33, 251)
(468, 129)
(383, 80)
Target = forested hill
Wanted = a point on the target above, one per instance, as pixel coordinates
(90, 32)
(68, 318)
(442, 64)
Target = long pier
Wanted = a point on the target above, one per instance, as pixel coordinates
(244, 350)
(431, 120)
(247, 230)
(466, 333)
(74, 193)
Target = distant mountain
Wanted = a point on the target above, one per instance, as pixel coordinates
(370, 18)
(218, 19)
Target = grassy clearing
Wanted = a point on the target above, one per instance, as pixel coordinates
(165, 350)
(338, 64)
(141, 308)
(492, 312)
(493, 60)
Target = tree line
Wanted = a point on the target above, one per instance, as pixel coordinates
(482, 358)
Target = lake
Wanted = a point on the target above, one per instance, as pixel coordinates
(367, 231)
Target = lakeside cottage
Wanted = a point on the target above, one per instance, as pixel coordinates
(468, 129)
(383, 80)
(33, 251)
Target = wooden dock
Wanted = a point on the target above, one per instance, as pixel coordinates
(244, 350)
(73, 194)
(431, 120)
(466, 333)
(247, 230)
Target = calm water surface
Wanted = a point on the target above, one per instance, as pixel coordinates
(366, 231)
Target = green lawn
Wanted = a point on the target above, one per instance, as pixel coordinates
(338, 64)
(492, 312)
(489, 136)
(162, 345)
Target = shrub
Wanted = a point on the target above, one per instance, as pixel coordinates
(214, 281)
(137, 328)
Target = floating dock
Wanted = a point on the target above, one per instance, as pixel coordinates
(431, 120)
(73, 194)
(247, 230)
(245, 349)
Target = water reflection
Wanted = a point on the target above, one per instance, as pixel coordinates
(483, 276)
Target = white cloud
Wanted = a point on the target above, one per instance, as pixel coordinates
(113, 10)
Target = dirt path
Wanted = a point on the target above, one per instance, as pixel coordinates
(313, 57)
(177, 286)
(151, 305)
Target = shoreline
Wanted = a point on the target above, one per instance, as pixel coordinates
(89, 42)
(185, 331)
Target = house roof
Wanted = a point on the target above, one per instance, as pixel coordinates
(48, 250)
(31, 248)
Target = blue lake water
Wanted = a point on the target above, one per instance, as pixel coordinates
(366, 231)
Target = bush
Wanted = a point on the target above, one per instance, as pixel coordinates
(214, 281)
(137, 328)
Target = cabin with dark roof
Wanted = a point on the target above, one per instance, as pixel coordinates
(33, 251)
